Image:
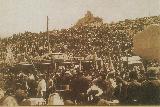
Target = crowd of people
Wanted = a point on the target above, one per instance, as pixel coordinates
(114, 39)
(110, 42)
(77, 87)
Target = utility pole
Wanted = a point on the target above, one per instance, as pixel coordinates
(48, 36)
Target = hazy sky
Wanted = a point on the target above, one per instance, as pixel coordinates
(30, 15)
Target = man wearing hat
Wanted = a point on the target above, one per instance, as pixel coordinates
(150, 88)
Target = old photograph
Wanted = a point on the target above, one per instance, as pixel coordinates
(79, 52)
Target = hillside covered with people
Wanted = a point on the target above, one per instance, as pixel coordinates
(85, 37)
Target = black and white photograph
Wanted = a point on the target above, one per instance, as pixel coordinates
(79, 52)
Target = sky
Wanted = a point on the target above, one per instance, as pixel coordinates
(30, 15)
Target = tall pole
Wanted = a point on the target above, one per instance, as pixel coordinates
(127, 63)
(48, 37)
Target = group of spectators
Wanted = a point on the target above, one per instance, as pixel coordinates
(114, 40)
(76, 87)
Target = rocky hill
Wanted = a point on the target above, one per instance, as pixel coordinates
(90, 20)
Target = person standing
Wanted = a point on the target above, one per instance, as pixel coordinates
(79, 88)
(128, 92)
(133, 89)
(32, 85)
(41, 87)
